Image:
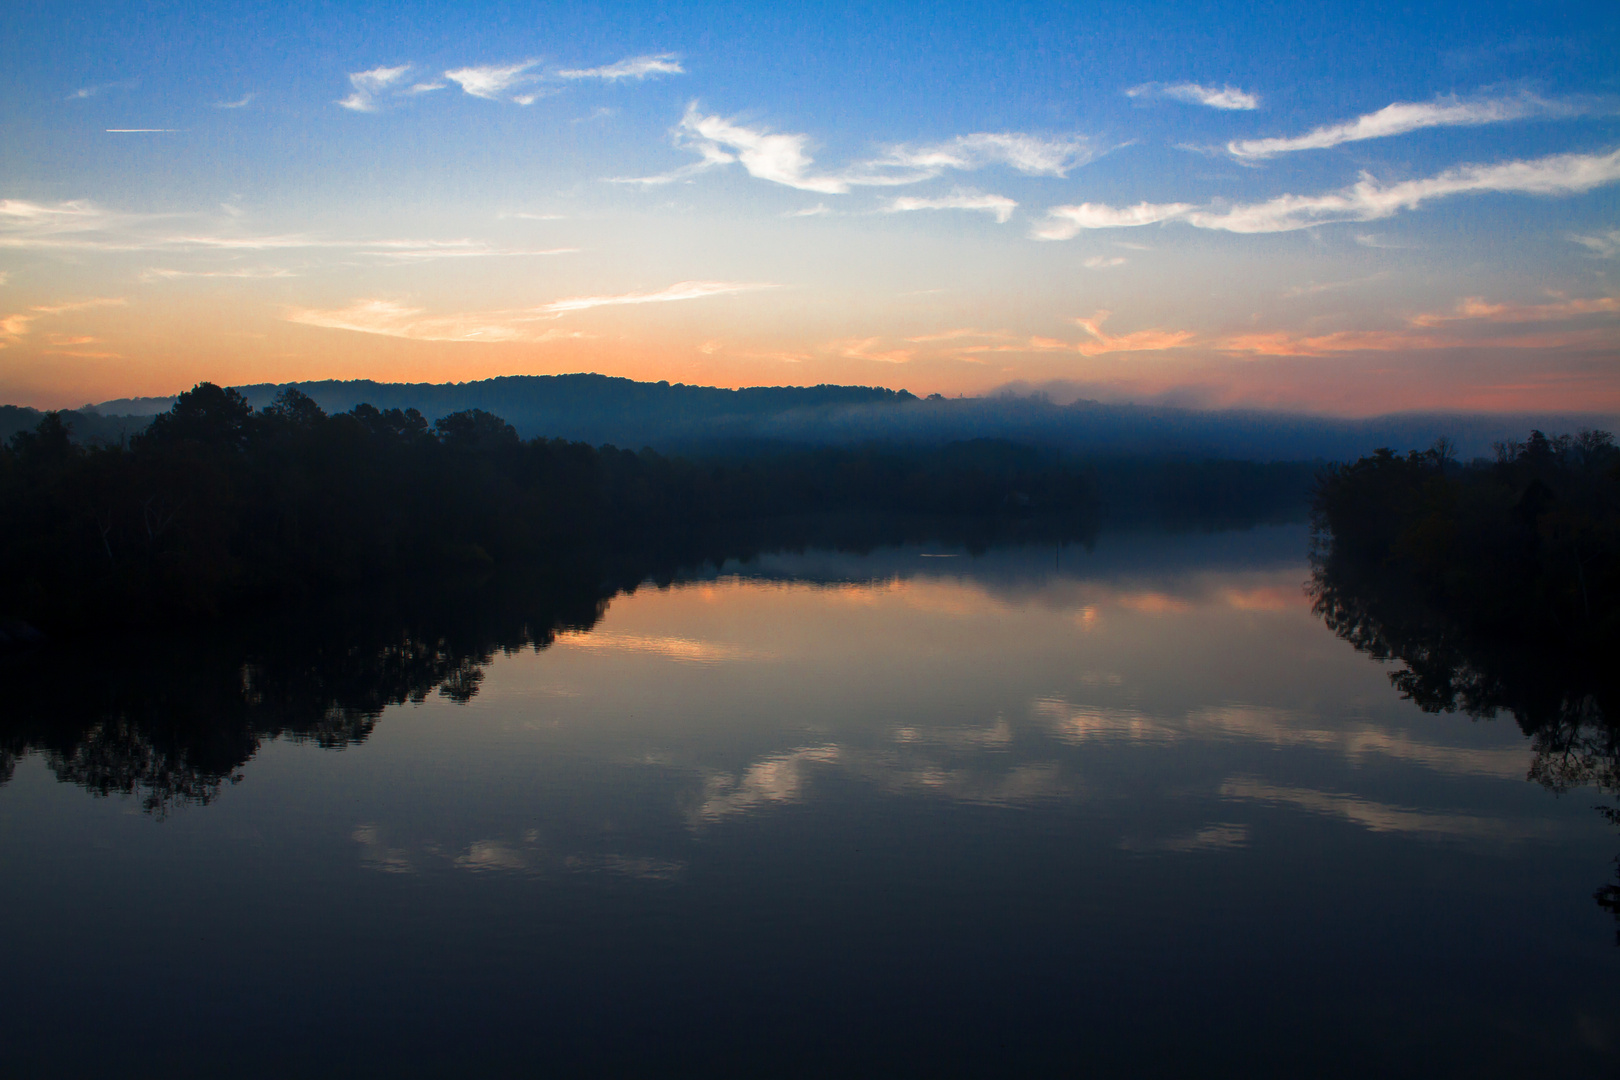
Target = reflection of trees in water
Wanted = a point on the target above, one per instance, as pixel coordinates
(172, 719)
(1561, 692)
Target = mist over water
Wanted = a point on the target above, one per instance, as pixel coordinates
(707, 420)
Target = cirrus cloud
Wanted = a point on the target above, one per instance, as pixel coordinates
(370, 85)
(1224, 97)
(784, 157)
(1400, 118)
(683, 290)
(998, 205)
(494, 82)
(633, 67)
(390, 318)
(1366, 200)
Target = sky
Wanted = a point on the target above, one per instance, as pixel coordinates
(1342, 208)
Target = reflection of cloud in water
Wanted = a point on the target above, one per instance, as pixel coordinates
(491, 855)
(1152, 603)
(1267, 598)
(1004, 763)
(909, 769)
(1087, 601)
(1083, 723)
(1018, 786)
(994, 736)
(674, 648)
(1220, 836)
(509, 856)
(376, 855)
(1278, 727)
(1382, 817)
(1281, 727)
(630, 866)
(778, 779)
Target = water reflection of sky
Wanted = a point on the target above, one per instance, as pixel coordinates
(1176, 702)
(1038, 794)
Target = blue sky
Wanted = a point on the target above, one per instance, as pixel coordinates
(1346, 208)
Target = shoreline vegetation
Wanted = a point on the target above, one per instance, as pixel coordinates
(1495, 585)
(218, 508)
(1497, 582)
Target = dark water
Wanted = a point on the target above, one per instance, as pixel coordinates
(1132, 811)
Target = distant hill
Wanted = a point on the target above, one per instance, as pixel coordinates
(591, 408)
(87, 426)
(700, 419)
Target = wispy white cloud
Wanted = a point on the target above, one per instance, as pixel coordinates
(1032, 155)
(784, 157)
(1475, 309)
(240, 103)
(1424, 334)
(1097, 342)
(867, 349)
(393, 319)
(85, 92)
(1400, 118)
(779, 157)
(80, 305)
(429, 251)
(494, 82)
(80, 225)
(957, 334)
(818, 210)
(1605, 245)
(1066, 222)
(158, 273)
(1366, 200)
(25, 224)
(683, 290)
(1223, 97)
(367, 86)
(633, 67)
(1382, 243)
(1103, 262)
(17, 326)
(999, 205)
(1315, 288)
(1150, 340)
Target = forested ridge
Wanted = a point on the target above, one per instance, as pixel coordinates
(217, 504)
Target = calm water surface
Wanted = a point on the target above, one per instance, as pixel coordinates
(1130, 811)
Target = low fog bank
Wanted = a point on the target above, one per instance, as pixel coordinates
(88, 425)
(1113, 556)
(697, 420)
(1093, 428)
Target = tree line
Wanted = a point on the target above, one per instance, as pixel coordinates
(1524, 548)
(217, 504)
